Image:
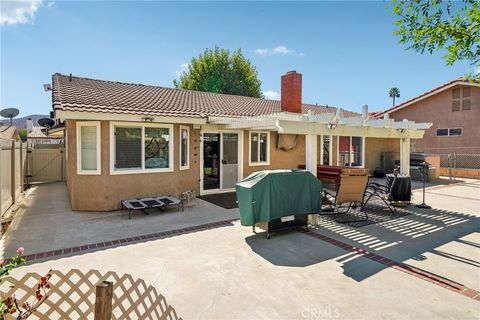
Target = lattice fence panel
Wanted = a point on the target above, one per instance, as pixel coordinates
(72, 296)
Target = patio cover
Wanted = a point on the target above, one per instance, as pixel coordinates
(271, 194)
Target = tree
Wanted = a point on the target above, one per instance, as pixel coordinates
(433, 25)
(217, 71)
(23, 134)
(394, 93)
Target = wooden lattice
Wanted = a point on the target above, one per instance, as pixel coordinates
(72, 296)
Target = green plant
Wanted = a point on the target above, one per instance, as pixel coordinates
(432, 25)
(10, 305)
(216, 70)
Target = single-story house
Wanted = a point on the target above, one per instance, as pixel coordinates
(37, 136)
(127, 140)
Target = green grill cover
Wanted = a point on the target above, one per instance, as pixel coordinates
(272, 194)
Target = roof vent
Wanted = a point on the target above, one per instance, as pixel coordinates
(70, 77)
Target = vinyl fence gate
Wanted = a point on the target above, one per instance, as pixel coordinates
(46, 163)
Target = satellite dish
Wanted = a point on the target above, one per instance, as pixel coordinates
(9, 113)
(46, 122)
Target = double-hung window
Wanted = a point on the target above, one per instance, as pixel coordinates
(259, 148)
(184, 147)
(141, 148)
(88, 147)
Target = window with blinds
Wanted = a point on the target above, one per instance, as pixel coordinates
(128, 148)
(88, 147)
(141, 148)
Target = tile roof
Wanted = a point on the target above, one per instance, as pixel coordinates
(90, 95)
(426, 94)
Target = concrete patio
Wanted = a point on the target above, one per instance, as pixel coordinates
(228, 272)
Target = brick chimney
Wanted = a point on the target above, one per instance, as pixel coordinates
(292, 92)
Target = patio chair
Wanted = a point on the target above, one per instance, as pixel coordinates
(381, 192)
(349, 195)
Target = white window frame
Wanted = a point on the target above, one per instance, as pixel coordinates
(114, 171)
(448, 132)
(363, 150)
(79, 125)
(187, 166)
(258, 163)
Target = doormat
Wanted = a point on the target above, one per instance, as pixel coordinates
(376, 212)
(224, 200)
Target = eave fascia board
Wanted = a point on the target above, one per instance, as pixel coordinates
(76, 115)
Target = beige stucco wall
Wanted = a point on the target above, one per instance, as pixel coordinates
(438, 110)
(279, 159)
(374, 147)
(104, 192)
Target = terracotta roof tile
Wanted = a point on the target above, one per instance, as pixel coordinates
(90, 95)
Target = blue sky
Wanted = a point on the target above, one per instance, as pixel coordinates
(346, 51)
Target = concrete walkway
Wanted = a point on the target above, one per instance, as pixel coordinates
(229, 273)
(45, 222)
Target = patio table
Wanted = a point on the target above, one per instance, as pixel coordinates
(401, 190)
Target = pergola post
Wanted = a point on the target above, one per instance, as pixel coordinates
(311, 153)
(405, 156)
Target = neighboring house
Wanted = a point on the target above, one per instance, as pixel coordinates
(9, 133)
(128, 140)
(37, 135)
(454, 110)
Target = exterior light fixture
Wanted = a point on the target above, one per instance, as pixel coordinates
(148, 119)
(332, 125)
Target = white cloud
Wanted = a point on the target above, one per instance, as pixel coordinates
(183, 68)
(282, 50)
(50, 4)
(13, 12)
(272, 95)
(261, 52)
(279, 50)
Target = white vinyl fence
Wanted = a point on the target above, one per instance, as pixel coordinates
(12, 168)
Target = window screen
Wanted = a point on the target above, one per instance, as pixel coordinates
(184, 147)
(254, 147)
(466, 104)
(455, 132)
(263, 147)
(128, 148)
(157, 148)
(88, 147)
(442, 132)
(466, 92)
